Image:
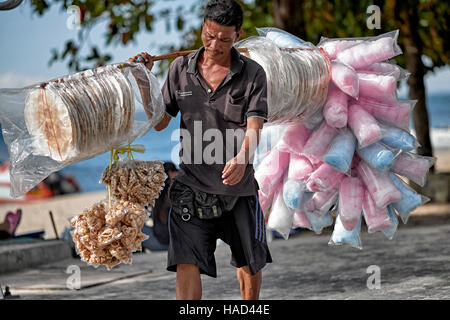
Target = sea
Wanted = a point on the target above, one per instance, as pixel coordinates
(164, 145)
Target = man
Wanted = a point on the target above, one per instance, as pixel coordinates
(216, 89)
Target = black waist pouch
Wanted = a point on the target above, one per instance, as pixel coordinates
(188, 201)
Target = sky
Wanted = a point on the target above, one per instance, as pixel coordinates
(27, 40)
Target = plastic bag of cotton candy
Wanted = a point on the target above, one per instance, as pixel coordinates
(49, 125)
(297, 73)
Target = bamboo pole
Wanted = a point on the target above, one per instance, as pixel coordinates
(184, 53)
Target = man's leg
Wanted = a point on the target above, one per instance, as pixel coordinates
(189, 283)
(250, 284)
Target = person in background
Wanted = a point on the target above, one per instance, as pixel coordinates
(159, 233)
(9, 226)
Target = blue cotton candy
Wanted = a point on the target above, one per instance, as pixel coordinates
(389, 233)
(377, 156)
(318, 223)
(342, 236)
(410, 199)
(293, 192)
(398, 139)
(340, 153)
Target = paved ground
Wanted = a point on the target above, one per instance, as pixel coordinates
(414, 265)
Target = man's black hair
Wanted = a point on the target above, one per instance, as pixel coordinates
(224, 12)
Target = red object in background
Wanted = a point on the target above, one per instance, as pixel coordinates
(41, 191)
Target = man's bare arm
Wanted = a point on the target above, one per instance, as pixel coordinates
(235, 168)
(163, 123)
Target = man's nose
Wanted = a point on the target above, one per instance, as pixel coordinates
(214, 44)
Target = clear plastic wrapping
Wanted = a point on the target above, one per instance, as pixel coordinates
(271, 172)
(297, 78)
(342, 236)
(318, 223)
(390, 232)
(351, 194)
(299, 168)
(325, 178)
(377, 86)
(49, 125)
(341, 151)
(378, 156)
(363, 125)
(321, 202)
(318, 142)
(345, 78)
(283, 39)
(410, 199)
(413, 166)
(386, 69)
(294, 193)
(376, 218)
(293, 138)
(281, 216)
(395, 113)
(379, 185)
(371, 50)
(398, 138)
(335, 110)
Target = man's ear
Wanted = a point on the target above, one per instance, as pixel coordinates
(238, 35)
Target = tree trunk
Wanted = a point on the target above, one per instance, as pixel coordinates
(414, 64)
(288, 15)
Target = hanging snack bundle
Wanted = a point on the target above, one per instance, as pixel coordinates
(49, 125)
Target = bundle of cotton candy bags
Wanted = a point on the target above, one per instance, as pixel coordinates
(352, 163)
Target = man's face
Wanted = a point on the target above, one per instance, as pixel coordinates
(218, 39)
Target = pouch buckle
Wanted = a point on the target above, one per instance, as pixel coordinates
(186, 216)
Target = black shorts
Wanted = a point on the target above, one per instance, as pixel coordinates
(242, 228)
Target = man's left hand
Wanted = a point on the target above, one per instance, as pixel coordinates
(234, 170)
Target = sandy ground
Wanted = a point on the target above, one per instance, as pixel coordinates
(443, 160)
(36, 216)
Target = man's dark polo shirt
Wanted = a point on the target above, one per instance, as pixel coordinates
(240, 95)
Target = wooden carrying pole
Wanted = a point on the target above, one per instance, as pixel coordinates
(183, 53)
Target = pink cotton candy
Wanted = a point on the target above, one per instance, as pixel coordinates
(266, 201)
(396, 113)
(345, 78)
(271, 171)
(333, 46)
(335, 110)
(379, 185)
(364, 126)
(368, 52)
(294, 138)
(321, 202)
(317, 144)
(377, 86)
(376, 218)
(301, 220)
(387, 69)
(299, 168)
(325, 178)
(351, 194)
(413, 166)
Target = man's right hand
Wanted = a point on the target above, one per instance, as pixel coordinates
(146, 59)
